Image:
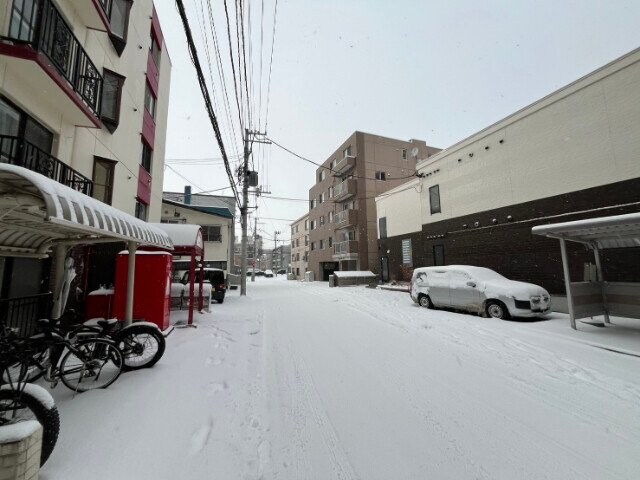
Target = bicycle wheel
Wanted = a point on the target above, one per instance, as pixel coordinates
(34, 403)
(142, 346)
(90, 364)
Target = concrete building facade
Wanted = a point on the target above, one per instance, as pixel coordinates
(300, 246)
(342, 216)
(571, 155)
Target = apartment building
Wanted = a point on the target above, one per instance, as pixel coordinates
(342, 215)
(280, 258)
(217, 229)
(300, 246)
(84, 92)
(571, 155)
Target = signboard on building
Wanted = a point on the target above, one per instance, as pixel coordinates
(407, 254)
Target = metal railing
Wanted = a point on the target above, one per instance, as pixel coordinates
(48, 33)
(17, 151)
(344, 188)
(345, 164)
(343, 216)
(22, 313)
(343, 248)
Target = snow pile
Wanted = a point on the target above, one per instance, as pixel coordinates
(18, 431)
(354, 273)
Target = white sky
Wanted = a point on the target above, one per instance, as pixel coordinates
(437, 70)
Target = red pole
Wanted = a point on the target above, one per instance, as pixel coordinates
(192, 281)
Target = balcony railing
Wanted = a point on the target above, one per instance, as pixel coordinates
(47, 32)
(21, 313)
(346, 217)
(17, 151)
(344, 189)
(345, 248)
(344, 165)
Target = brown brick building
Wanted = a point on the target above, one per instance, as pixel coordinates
(342, 215)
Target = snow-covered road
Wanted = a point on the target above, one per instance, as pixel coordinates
(299, 381)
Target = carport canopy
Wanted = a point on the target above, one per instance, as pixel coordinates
(619, 231)
(38, 214)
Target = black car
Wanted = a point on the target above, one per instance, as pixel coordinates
(215, 277)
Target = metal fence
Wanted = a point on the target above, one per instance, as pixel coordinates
(21, 313)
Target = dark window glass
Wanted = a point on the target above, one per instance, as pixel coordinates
(154, 48)
(434, 199)
(9, 119)
(119, 18)
(150, 101)
(147, 157)
(23, 20)
(38, 135)
(111, 95)
(438, 255)
(381, 176)
(141, 210)
(212, 233)
(382, 224)
(103, 171)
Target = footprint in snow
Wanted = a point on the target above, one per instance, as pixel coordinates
(200, 438)
(217, 387)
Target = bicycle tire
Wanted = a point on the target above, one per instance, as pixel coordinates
(49, 418)
(140, 335)
(87, 361)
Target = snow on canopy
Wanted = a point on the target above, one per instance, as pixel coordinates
(354, 273)
(182, 235)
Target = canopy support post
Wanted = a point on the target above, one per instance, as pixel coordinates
(567, 282)
(131, 278)
(192, 281)
(201, 276)
(596, 254)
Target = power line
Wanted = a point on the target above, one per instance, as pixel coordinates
(205, 93)
(330, 168)
(341, 201)
(233, 67)
(273, 41)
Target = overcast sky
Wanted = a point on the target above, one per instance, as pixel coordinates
(437, 70)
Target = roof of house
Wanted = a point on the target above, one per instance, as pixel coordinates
(218, 211)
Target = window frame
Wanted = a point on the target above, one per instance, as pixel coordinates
(438, 209)
(148, 93)
(207, 235)
(381, 176)
(118, 42)
(112, 123)
(140, 208)
(145, 148)
(112, 169)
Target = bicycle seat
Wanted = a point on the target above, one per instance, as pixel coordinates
(101, 322)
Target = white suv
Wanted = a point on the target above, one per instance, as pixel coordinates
(479, 290)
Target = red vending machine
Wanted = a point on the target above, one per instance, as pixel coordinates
(152, 291)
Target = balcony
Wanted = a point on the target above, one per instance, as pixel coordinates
(17, 151)
(345, 218)
(43, 56)
(344, 165)
(344, 190)
(345, 250)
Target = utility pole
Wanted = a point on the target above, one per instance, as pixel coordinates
(255, 252)
(249, 138)
(275, 248)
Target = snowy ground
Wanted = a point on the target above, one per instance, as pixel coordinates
(299, 381)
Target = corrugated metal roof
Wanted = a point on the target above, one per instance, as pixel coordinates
(36, 212)
(619, 231)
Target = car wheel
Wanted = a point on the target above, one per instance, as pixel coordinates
(497, 309)
(425, 301)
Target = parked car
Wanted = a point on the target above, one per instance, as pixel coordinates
(259, 273)
(215, 277)
(479, 290)
(282, 271)
(268, 273)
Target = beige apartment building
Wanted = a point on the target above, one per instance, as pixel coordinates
(84, 94)
(300, 246)
(342, 213)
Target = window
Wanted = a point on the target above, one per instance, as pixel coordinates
(434, 199)
(407, 254)
(330, 242)
(334, 162)
(297, 242)
(149, 101)
(438, 255)
(23, 21)
(111, 96)
(330, 217)
(15, 123)
(330, 192)
(321, 175)
(142, 210)
(212, 233)
(313, 246)
(347, 151)
(103, 170)
(321, 244)
(321, 198)
(312, 203)
(293, 230)
(382, 226)
(147, 157)
(321, 220)
(381, 176)
(306, 225)
(154, 48)
(306, 240)
(119, 20)
(404, 153)
(297, 228)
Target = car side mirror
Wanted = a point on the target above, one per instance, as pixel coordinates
(471, 284)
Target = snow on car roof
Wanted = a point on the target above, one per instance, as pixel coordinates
(478, 272)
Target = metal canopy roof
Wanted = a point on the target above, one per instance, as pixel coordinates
(37, 212)
(620, 231)
(183, 236)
